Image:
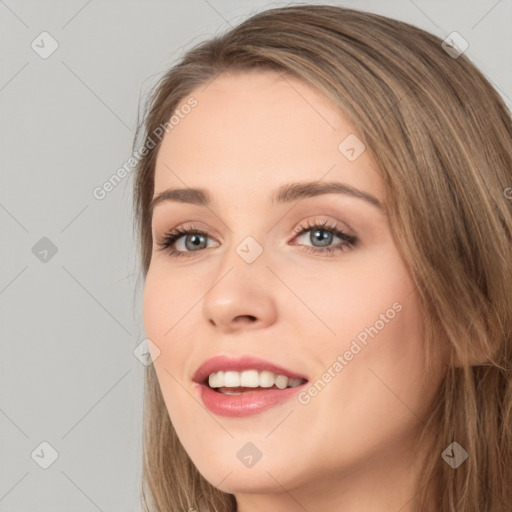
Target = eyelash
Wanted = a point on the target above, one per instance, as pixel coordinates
(170, 238)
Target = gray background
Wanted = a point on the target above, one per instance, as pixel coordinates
(69, 321)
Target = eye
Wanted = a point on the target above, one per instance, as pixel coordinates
(194, 239)
(323, 233)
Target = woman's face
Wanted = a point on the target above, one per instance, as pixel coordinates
(347, 320)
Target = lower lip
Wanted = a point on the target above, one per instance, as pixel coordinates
(245, 404)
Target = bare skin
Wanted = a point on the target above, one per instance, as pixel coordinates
(351, 446)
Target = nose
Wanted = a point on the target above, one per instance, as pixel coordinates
(240, 295)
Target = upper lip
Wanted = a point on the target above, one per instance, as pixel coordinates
(239, 364)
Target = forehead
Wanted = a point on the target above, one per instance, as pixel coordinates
(254, 131)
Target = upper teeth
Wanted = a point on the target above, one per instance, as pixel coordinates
(251, 379)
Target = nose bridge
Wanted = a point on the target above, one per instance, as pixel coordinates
(246, 237)
(240, 286)
(244, 259)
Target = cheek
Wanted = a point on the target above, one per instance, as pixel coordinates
(350, 295)
(375, 314)
(170, 309)
(154, 305)
(161, 311)
(384, 364)
(384, 317)
(166, 301)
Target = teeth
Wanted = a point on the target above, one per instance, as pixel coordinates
(231, 379)
(251, 379)
(267, 379)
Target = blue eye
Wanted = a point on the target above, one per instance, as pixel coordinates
(321, 232)
(196, 237)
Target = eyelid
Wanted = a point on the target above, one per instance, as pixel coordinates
(348, 237)
(192, 224)
(310, 221)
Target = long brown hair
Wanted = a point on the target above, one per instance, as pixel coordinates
(442, 138)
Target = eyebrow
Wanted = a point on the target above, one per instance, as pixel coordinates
(284, 194)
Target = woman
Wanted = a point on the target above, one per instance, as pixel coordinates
(342, 336)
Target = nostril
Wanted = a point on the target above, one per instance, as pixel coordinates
(242, 318)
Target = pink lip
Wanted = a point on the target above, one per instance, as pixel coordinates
(245, 404)
(239, 364)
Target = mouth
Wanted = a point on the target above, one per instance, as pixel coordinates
(248, 381)
(240, 386)
(245, 373)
